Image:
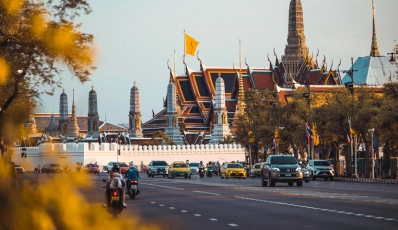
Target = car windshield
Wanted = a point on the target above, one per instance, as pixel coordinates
(55, 165)
(159, 163)
(283, 160)
(257, 166)
(321, 163)
(194, 164)
(180, 165)
(234, 166)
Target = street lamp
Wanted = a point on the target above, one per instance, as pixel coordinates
(307, 97)
(275, 141)
(373, 159)
(350, 87)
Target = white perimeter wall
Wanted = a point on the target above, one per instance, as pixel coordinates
(70, 153)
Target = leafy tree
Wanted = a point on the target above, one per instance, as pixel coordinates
(227, 140)
(35, 36)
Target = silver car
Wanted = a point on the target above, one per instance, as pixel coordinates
(194, 167)
(320, 169)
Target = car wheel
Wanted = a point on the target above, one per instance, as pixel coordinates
(148, 174)
(331, 178)
(164, 175)
(186, 177)
(153, 175)
(290, 183)
(325, 179)
(307, 181)
(271, 182)
(189, 177)
(313, 178)
(172, 176)
(299, 183)
(244, 177)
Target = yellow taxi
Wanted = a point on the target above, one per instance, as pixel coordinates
(179, 169)
(234, 170)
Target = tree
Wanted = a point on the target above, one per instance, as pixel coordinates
(158, 137)
(34, 37)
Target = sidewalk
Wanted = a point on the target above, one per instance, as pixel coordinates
(367, 180)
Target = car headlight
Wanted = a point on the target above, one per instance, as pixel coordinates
(276, 169)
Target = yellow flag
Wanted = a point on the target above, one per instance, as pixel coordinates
(315, 134)
(190, 45)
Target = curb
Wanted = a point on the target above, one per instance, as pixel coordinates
(366, 180)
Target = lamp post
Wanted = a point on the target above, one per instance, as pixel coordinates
(350, 87)
(307, 96)
(274, 104)
(373, 159)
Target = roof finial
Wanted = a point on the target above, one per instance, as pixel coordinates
(92, 87)
(374, 51)
(135, 83)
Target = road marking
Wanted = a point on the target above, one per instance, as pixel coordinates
(172, 208)
(163, 186)
(184, 211)
(320, 209)
(211, 193)
(153, 202)
(197, 214)
(161, 205)
(233, 225)
(213, 219)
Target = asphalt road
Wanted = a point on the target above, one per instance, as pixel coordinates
(215, 203)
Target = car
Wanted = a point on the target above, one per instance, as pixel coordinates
(255, 171)
(233, 170)
(123, 168)
(109, 166)
(320, 169)
(179, 169)
(52, 168)
(19, 169)
(306, 173)
(194, 167)
(92, 168)
(157, 167)
(281, 168)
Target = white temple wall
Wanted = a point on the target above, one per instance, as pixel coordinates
(71, 153)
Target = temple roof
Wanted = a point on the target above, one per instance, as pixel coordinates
(373, 71)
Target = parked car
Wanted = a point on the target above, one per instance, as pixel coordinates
(306, 173)
(109, 166)
(194, 167)
(157, 167)
(123, 167)
(255, 171)
(19, 169)
(233, 170)
(179, 169)
(92, 168)
(320, 169)
(281, 168)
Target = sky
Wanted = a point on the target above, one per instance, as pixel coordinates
(134, 39)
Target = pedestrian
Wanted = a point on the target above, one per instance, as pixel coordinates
(142, 166)
(38, 169)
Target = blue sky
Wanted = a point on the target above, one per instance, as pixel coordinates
(135, 39)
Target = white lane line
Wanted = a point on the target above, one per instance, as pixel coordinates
(213, 219)
(210, 193)
(184, 211)
(197, 214)
(172, 208)
(153, 202)
(233, 225)
(163, 186)
(320, 209)
(161, 205)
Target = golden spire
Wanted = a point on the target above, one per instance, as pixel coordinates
(374, 51)
(134, 83)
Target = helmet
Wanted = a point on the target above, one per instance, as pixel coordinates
(115, 168)
(132, 165)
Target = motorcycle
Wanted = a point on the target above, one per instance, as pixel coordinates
(201, 172)
(114, 202)
(132, 188)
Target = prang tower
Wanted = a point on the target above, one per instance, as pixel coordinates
(296, 49)
(172, 130)
(135, 113)
(63, 122)
(92, 117)
(73, 126)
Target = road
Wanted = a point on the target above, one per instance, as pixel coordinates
(215, 203)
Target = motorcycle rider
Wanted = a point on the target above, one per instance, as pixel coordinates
(132, 174)
(201, 167)
(115, 181)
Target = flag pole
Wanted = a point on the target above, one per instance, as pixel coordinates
(184, 43)
(175, 73)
